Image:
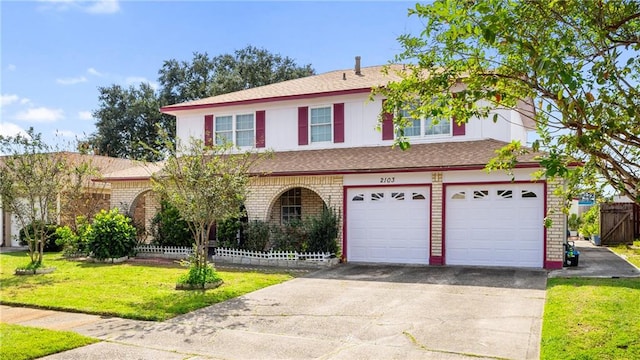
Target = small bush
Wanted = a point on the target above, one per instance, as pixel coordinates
(198, 275)
(75, 243)
(292, 236)
(169, 229)
(227, 233)
(112, 235)
(323, 232)
(591, 222)
(50, 244)
(257, 236)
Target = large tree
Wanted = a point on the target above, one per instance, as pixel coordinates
(577, 61)
(126, 117)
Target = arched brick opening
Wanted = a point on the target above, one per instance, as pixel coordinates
(294, 202)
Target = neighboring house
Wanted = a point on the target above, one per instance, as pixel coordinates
(433, 204)
(94, 197)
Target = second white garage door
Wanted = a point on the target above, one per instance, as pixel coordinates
(388, 225)
(495, 225)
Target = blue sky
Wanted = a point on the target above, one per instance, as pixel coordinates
(56, 53)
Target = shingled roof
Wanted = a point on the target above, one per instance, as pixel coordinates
(420, 157)
(333, 82)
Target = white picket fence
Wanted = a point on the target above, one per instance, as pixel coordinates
(164, 251)
(276, 255)
(245, 257)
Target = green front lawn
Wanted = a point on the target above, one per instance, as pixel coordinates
(631, 254)
(591, 319)
(125, 290)
(23, 342)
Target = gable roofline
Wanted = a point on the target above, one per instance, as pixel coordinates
(336, 82)
(178, 107)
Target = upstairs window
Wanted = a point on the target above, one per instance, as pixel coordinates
(425, 127)
(238, 130)
(320, 124)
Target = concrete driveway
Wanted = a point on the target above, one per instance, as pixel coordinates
(348, 312)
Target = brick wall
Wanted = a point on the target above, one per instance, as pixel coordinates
(263, 200)
(557, 232)
(436, 216)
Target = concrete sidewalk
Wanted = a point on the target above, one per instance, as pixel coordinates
(597, 262)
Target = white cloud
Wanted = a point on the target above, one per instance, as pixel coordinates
(41, 115)
(91, 7)
(9, 129)
(103, 7)
(8, 99)
(94, 72)
(133, 80)
(85, 115)
(71, 81)
(11, 67)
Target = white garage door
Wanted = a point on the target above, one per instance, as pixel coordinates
(389, 225)
(495, 225)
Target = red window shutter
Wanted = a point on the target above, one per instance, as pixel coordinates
(458, 130)
(338, 123)
(303, 125)
(387, 124)
(260, 129)
(208, 130)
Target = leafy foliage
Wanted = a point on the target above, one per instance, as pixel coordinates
(292, 236)
(572, 66)
(205, 184)
(32, 176)
(591, 222)
(257, 236)
(323, 231)
(168, 227)
(28, 236)
(198, 274)
(127, 118)
(112, 235)
(75, 242)
(227, 233)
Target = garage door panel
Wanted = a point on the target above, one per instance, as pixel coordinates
(494, 225)
(389, 225)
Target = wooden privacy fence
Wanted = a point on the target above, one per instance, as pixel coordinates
(619, 223)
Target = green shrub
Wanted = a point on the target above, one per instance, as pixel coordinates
(323, 232)
(292, 236)
(50, 244)
(169, 229)
(256, 236)
(227, 233)
(591, 222)
(574, 222)
(75, 243)
(112, 235)
(198, 275)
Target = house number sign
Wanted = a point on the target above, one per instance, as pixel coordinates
(387, 180)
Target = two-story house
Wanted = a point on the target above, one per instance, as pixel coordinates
(433, 204)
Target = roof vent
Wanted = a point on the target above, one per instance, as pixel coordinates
(344, 76)
(357, 69)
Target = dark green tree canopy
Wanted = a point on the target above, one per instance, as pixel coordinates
(577, 61)
(127, 117)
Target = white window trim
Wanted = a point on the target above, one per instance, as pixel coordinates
(330, 106)
(234, 129)
(423, 129)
